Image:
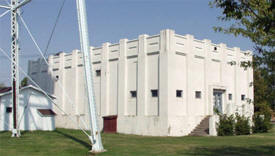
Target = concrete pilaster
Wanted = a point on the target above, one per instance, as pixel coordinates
(166, 88)
(207, 98)
(50, 74)
(75, 81)
(61, 80)
(190, 57)
(105, 78)
(163, 74)
(122, 76)
(142, 89)
(223, 56)
(223, 71)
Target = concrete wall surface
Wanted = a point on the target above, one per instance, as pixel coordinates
(160, 85)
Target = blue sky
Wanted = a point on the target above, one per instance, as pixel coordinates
(109, 21)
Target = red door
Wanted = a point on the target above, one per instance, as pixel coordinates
(110, 124)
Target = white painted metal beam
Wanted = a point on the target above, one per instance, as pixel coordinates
(20, 4)
(2, 15)
(5, 7)
(85, 48)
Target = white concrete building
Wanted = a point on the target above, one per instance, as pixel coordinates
(161, 85)
(35, 110)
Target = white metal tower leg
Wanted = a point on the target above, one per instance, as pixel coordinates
(85, 48)
(14, 67)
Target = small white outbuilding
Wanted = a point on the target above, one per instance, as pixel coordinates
(35, 110)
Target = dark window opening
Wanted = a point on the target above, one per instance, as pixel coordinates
(57, 77)
(68, 67)
(215, 48)
(229, 96)
(198, 94)
(8, 110)
(243, 97)
(133, 93)
(179, 93)
(154, 93)
(98, 72)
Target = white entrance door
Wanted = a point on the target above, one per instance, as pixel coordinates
(218, 100)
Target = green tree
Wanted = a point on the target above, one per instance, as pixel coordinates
(24, 82)
(254, 19)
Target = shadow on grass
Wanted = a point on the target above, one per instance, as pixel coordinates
(230, 151)
(3, 132)
(87, 145)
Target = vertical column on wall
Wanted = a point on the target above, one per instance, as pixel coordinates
(237, 97)
(207, 92)
(142, 88)
(105, 78)
(122, 76)
(166, 48)
(75, 81)
(96, 82)
(190, 57)
(51, 78)
(61, 80)
(223, 64)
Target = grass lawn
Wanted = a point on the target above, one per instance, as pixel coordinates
(63, 142)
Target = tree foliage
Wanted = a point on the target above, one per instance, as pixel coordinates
(225, 127)
(254, 19)
(242, 126)
(24, 82)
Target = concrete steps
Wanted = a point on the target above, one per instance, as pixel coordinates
(201, 129)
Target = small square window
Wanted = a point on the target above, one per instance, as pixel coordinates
(57, 77)
(154, 93)
(8, 110)
(243, 97)
(133, 93)
(198, 94)
(98, 72)
(179, 93)
(215, 48)
(229, 96)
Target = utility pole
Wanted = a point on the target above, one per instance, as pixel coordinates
(14, 9)
(95, 137)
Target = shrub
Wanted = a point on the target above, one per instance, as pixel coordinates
(261, 124)
(226, 125)
(261, 119)
(242, 126)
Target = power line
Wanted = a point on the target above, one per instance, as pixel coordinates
(46, 94)
(55, 24)
(45, 60)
